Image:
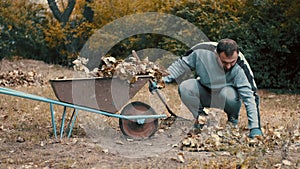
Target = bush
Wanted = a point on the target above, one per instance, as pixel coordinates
(21, 30)
(274, 39)
(66, 40)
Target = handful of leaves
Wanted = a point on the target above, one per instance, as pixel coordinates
(125, 70)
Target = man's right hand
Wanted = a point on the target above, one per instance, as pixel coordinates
(167, 80)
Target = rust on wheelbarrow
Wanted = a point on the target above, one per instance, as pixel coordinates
(106, 94)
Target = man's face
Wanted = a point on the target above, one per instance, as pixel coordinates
(227, 62)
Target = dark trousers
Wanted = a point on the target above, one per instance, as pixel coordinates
(195, 96)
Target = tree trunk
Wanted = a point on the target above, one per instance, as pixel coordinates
(88, 12)
(62, 17)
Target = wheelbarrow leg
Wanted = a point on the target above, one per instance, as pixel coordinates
(53, 119)
(63, 122)
(72, 121)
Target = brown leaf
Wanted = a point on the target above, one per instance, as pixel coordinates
(181, 158)
(20, 139)
(286, 162)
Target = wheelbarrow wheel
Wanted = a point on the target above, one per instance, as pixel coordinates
(135, 129)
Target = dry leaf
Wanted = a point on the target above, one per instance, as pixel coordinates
(220, 133)
(119, 142)
(286, 162)
(105, 151)
(278, 165)
(181, 158)
(129, 139)
(186, 142)
(20, 139)
(175, 145)
(42, 144)
(202, 120)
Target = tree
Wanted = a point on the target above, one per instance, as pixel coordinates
(68, 33)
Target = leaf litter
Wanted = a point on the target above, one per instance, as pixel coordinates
(281, 136)
(20, 77)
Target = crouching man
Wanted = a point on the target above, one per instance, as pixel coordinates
(223, 80)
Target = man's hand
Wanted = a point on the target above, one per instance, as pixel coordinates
(152, 86)
(255, 132)
(167, 80)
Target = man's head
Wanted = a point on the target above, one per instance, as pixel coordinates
(228, 51)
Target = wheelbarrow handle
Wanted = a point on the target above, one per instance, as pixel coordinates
(162, 99)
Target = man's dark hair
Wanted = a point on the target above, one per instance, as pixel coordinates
(228, 46)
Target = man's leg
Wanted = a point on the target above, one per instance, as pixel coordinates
(232, 103)
(194, 96)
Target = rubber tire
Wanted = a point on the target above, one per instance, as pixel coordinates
(131, 128)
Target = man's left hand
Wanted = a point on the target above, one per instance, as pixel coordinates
(152, 86)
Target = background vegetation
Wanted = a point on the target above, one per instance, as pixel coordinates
(267, 31)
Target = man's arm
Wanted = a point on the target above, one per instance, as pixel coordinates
(179, 67)
(247, 87)
(248, 97)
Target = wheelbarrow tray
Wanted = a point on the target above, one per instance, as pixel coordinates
(106, 94)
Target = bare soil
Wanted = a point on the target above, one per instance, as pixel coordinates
(27, 141)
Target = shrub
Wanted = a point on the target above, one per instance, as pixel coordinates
(21, 29)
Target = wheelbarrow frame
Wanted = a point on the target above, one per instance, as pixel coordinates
(52, 102)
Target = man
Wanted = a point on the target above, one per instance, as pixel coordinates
(223, 80)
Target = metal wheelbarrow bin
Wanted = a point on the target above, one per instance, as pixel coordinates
(105, 96)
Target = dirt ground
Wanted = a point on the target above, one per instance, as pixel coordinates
(26, 135)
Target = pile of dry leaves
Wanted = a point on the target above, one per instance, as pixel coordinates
(125, 70)
(216, 138)
(20, 78)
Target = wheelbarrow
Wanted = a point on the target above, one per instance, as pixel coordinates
(105, 96)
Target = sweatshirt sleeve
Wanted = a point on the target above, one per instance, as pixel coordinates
(180, 66)
(249, 98)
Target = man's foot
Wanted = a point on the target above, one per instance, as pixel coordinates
(255, 132)
(233, 121)
(201, 120)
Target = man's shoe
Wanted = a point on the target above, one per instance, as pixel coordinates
(201, 120)
(255, 132)
(233, 121)
(198, 126)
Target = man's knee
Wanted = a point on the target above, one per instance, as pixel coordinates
(230, 94)
(188, 87)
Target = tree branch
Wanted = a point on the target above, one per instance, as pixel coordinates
(55, 10)
(68, 11)
(62, 17)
